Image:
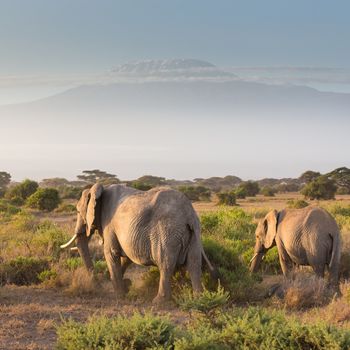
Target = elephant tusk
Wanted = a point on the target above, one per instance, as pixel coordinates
(69, 243)
(74, 249)
(254, 256)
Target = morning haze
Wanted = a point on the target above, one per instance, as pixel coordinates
(148, 88)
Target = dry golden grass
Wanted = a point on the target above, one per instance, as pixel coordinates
(45, 324)
(82, 283)
(305, 291)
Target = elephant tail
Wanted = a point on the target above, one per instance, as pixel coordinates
(214, 273)
(196, 229)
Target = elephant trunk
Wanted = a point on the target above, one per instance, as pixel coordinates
(259, 253)
(82, 243)
(83, 249)
(255, 262)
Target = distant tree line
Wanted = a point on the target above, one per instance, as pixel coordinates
(48, 194)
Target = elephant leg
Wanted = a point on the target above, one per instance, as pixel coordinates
(194, 264)
(113, 261)
(125, 262)
(285, 261)
(164, 290)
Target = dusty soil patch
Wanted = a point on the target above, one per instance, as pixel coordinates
(28, 315)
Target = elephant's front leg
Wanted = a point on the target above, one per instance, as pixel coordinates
(285, 261)
(113, 261)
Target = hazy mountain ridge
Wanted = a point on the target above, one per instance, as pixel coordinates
(198, 98)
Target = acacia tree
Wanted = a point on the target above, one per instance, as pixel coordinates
(341, 176)
(309, 176)
(96, 175)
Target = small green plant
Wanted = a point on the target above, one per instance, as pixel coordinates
(66, 208)
(47, 275)
(22, 270)
(297, 204)
(73, 263)
(100, 266)
(204, 302)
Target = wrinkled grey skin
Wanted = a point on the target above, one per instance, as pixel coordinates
(308, 236)
(158, 227)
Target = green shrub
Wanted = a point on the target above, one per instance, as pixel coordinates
(233, 223)
(16, 200)
(47, 275)
(22, 191)
(204, 302)
(140, 185)
(241, 192)
(100, 266)
(22, 270)
(297, 204)
(268, 191)
(8, 209)
(227, 256)
(66, 208)
(227, 198)
(137, 332)
(73, 263)
(249, 188)
(239, 329)
(255, 328)
(70, 192)
(337, 209)
(44, 199)
(196, 193)
(341, 214)
(320, 188)
(48, 238)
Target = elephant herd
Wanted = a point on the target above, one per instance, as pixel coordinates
(160, 227)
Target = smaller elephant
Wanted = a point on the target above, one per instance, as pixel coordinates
(304, 237)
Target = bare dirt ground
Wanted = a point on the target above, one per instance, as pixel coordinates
(28, 315)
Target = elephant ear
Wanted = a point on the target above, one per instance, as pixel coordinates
(92, 212)
(83, 204)
(270, 224)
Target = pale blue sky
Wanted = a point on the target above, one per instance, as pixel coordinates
(49, 36)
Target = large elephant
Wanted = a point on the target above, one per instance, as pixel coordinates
(158, 227)
(308, 236)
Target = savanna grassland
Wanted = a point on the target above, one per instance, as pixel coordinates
(48, 300)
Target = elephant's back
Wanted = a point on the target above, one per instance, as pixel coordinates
(321, 221)
(146, 221)
(157, 203)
